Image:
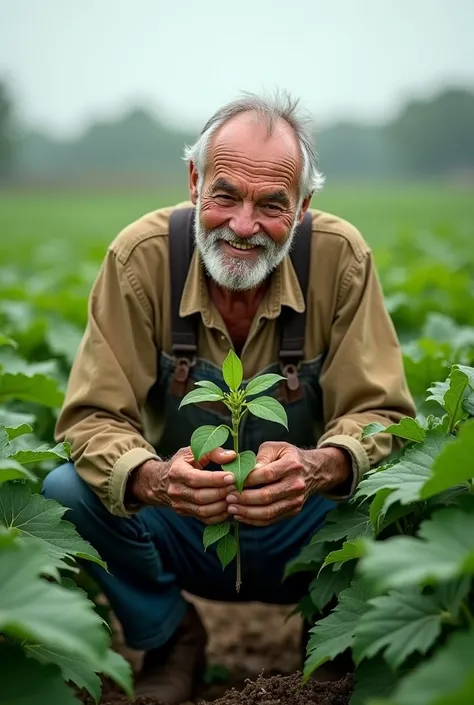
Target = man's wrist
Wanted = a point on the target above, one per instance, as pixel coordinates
(147, 484)
(329, 470)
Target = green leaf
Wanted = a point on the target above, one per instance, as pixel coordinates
(73, 667)
(42, 612)
(407, 428)
(16, 431)
(232, 371)
(329, 583)
(269, 409)
(10, 469)
(214, 532)
(211, 386)
(4, 340)
(443, 551)
(373, 679)
(12, 419)
(261, 384)
(334, 634)
(59, 452)
(454, 465)
(452, 401)
(39, 523)
(408, 475)
(398, 624)
(452, 593)
(207, 438)
(25, 681)
(349, 551)
(196, 396)
(119, 670)
(36, 388)
(5, 446)
(226, 549)
(344, 522)
(446, 679)
(7, 536)
(309, 558)
(241, 467)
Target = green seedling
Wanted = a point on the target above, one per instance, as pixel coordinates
(207, 438)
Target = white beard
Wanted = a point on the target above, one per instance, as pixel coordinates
(233, 272)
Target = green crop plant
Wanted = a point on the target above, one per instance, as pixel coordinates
(205, 439)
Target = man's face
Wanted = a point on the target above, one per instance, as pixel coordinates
(247, 202)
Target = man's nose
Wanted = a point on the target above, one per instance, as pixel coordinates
(243, 221)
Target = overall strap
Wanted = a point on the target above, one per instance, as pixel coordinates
(293, 323)
(183, 330)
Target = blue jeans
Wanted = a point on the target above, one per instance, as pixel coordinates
(156, 553)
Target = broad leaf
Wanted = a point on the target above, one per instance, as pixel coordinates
(196, 396)
(444, 551)
(241, 467)
(227, 549)
(20, 430)
(59, 452)
(344, 522)
(12, 470)
(451, 594)
(446, 679)
(207, 438)
(211, 386)
(309, 558)
(39, 523)
(262, 383)
(334, 634)
(232, 371)
(269, 409)
(42, 612)
(214, 532)
(13, 419)
(408, 475)
(330, 582)
(407, 428)
(454, 465)
(349, 551)
(7, 536)
(5, 340)
(373, 679)
(452, 401)
(4, 443)
(398, 624)
(36, 388)
(119, 670)
(25, 681)
(73, 667)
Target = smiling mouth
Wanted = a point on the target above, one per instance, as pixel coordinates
(242, 246)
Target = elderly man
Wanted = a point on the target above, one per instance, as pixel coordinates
(246, 265)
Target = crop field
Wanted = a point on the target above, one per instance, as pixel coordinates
(396, 564)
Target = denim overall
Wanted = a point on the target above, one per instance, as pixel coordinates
(155, 554)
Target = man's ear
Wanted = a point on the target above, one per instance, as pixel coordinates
(304, 208)
(193, 183)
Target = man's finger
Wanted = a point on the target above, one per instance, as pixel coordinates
(182, 472)
(271, 472)
(201, 511)
(203, 495)
(268, 512)
(287, 487)
(220, 456)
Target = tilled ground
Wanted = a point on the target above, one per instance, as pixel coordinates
(254, 655)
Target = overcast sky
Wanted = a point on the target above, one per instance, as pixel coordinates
(70, 61)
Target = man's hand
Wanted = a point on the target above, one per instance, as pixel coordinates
(181, 484)
(290, 476)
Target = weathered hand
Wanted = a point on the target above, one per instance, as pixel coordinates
(182, 484)
(289, 475)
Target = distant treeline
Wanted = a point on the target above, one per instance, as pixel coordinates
(433, 137)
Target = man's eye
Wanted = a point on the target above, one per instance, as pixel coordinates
(225, 197)
(272, 207)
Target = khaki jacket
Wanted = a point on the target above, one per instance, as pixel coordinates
(105, 414)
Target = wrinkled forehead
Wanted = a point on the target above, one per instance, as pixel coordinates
(246, 147)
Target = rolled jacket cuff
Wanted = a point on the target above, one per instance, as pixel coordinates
(360, 461)
(118, 480)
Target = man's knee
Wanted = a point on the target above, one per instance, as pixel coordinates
(64, 485)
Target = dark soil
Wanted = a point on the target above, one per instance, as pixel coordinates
(255, 650)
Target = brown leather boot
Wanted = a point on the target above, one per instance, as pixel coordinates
(171, 672)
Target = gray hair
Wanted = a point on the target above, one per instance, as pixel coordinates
(281, 106)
